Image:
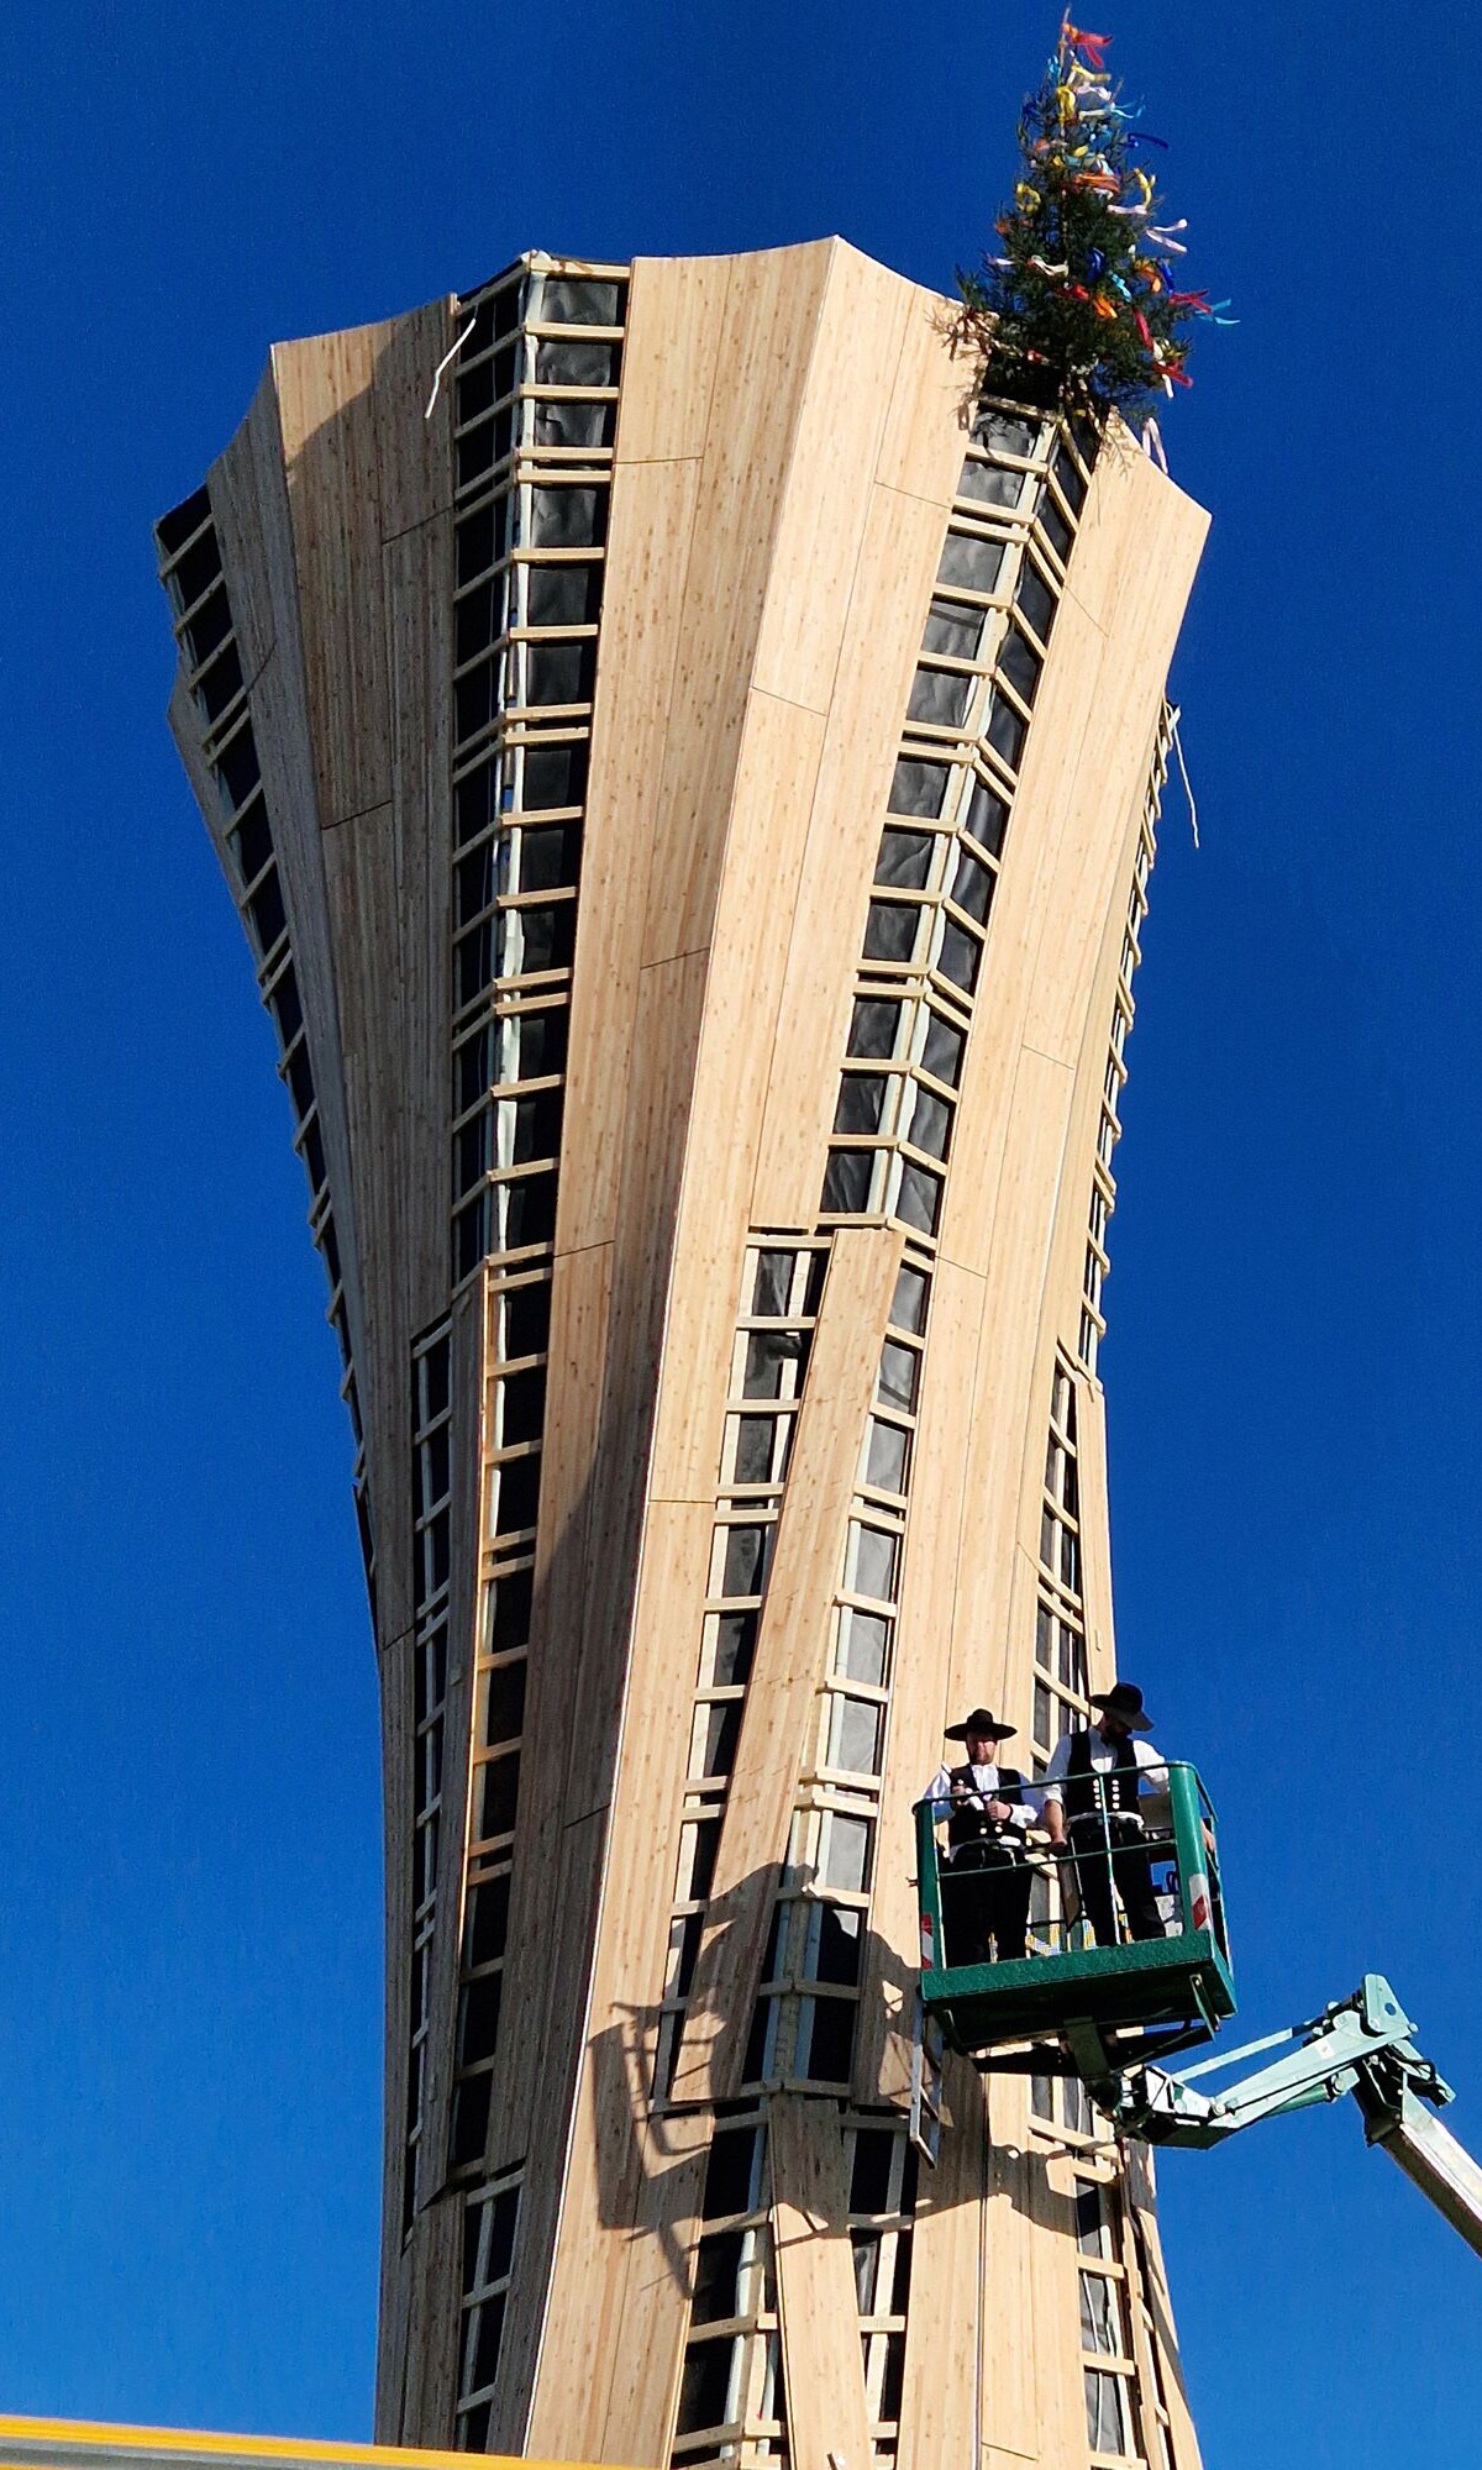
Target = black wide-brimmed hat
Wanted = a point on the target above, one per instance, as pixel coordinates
(983, 1723)
(1124, 1700)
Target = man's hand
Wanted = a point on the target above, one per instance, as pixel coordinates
(1000, 1812)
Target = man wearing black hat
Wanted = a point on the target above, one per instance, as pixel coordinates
(1089, 1798)
(985, 1883)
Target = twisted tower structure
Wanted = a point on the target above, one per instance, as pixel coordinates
(689, 779)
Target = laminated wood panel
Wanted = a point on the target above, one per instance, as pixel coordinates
(940, 2400)
(920, 1707)
(675, 310)
(328, 416)
(652, 2287)
(1010, 2338)
(791, 1646)
(414, 453)
(817, 2308)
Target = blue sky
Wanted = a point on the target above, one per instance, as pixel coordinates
(190, 1987)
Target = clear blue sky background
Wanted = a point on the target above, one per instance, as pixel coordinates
(190, 1980)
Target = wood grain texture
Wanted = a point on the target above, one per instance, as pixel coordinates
(816, 2304)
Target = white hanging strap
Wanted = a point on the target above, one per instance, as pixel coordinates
(1152, 443)
(1178, 748)
(448, 357)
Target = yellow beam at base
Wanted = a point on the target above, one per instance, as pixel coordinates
(37, 2444)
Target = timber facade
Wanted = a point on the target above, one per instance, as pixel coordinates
(688, 761)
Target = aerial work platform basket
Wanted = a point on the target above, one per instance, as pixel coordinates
(1118, 2005)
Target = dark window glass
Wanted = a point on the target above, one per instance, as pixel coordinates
(1072, 487)
(502, 2234)
(470, 2127)
(474, 884)
(549, 857)
(920, 1200)
(839, 1930)
(1055, 528)
(722, 1732)
(728, 2173)
(972, 887)
(568, 518)
(890, 930)
(869, 2184)
(475, 389)
(237, 771)
(510, 1626)
(1020, 663)
(767, 1351)
(199, 566)
(953, 629)
(831, 2044)
(918, 788)
(745, 1560)
(478, 801)
(220, 685)
(486, 2344)
(940, 698)
(477, 452)
(527, 1319)
(208, 629)
(560, 672)
(313, 1155)
(537, 1132)
(301, 1080)
(931, 1123)
(176, 527)
(861, 1102)
(501, 1794)
(987, 818)
(988, 486)
(973, 564)
(899, 1370)
(471, 1070)
(705, 1843)
(266, 912)
(488, 1924)
(575, 424)
(478, 543)
(470, 1236)
(480, 2019)
(717, 2273)
(704, 2386)
(475, 701)
(546, 939)
(521, 1406)
(540, 1043)
(1006, 731)
(846, 1182)
(908, 1309)
(892, 2382)
(1006, 433)
(771, 1290)
(691, 1931)
(735, 1645)
(519, 1496)
(529, 1211)
(473, 962)
(905, 860)
(471, 1154)
(562, 595)
(288, 1012)
(554, 776)
(756, 1439)
(1035, 598)
(874, 1027)
(580, 300)
(473, 2425)
(959, 957)
(479, 620)
(942, 1053)
(576, 364)
(252, 841)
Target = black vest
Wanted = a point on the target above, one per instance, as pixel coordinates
(969, 1825)
(1089, 1790)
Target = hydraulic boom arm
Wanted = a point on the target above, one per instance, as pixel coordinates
(1359, 2045)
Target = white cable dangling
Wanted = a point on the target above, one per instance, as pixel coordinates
(1178, 748)
(1152, 444)
(450, 355)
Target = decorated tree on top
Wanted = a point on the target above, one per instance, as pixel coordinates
(1082, 303)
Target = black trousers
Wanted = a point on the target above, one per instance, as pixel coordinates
(985, 1904)
(1129, 1864)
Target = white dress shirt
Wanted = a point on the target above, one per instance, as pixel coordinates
(988, 1787)
(1104, 1754)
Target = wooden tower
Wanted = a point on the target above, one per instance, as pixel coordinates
(689, 778)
